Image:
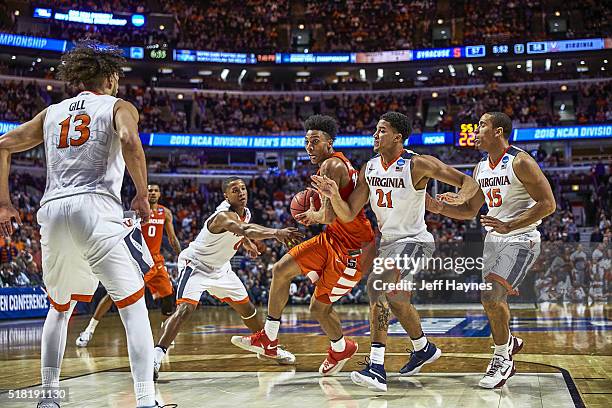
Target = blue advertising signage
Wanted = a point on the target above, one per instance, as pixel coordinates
(90, 17)
(214, 56)
(278, 142)
(317, 58)
(562, 133)
(6, 126)
(27, 41)
(23, 302)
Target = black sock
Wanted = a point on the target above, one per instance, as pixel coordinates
(273, 319)
(377, 344)
(339, 338)
(162, 347)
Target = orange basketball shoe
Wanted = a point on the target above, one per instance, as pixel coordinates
(258, 343)
(335, 361)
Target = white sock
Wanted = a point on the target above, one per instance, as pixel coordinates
(339, 345)
(377, 354)
(502, 351)
(93, 323)
(140, 350)
(158, 354)
(420, 343)
(271, 328)
(145, 393)
(50, 377)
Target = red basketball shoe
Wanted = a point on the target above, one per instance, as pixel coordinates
(335, 361)
(257, 343)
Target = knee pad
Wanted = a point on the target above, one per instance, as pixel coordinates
(167, 305)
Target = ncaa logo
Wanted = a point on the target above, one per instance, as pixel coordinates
(505, 159)
(401, 162)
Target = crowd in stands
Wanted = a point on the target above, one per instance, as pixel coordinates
(373, 26)
(261, 26)
(255, 26)
(356, 113)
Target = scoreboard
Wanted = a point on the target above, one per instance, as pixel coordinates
(464, 137)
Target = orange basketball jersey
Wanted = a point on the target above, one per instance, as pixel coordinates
(153, 230)
(350, 235)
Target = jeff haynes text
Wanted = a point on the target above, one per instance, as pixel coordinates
(439, 284)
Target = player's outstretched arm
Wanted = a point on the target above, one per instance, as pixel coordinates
(346, 211)
(22, 138)
(462, 205)
(229, 221)
(174, 242)
(126, 124)
(536, 184)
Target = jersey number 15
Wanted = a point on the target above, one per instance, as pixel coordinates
(495, 198)
(82, 128)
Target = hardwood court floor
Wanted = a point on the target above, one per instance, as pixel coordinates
(565, 347)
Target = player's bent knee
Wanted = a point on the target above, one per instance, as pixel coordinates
(286, 268)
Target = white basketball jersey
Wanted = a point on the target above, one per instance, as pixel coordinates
(505, 195)
(215, 250)
(398, 206)
(82, 148)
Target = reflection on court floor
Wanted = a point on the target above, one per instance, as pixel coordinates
(308, 389)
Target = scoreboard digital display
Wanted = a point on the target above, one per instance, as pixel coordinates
(465, 136)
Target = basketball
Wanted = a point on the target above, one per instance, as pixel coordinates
(301, 201)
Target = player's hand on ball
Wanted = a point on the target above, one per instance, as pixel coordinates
(289, 236)
(310, 216)
(7, 213)
(498, 226)
(433, 205)
(451, 198)
(325, 186)
(142, 208)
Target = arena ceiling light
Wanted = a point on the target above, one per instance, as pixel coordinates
(582, 62)
(519, 66)
(342, 73)
(195, 80)
(180, 96)
(480, 68)
(547, 64)
(529, 65)
(49, 88)
(470, 69)
(422, 78)
(205, 72)
(419, 72)
(380, 73)
(38, 59)
(306, 98)
(499, 67)
(559, 63)
(397, 73)
(564, 88)
(303, 73)
(441, 70)
(126, 69)
(165, 70)
(440, 21)
(264, 74)
(434, 94)
(224, 74)
(362, 74)
(13, 57)
(301, 26)
(605, 61)
(241, 76)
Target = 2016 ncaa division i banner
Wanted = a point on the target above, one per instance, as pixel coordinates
(19, 303)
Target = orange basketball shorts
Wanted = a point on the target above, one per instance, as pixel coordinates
(157, 279)
(333, 270)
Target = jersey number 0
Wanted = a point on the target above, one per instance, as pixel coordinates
(82, 128)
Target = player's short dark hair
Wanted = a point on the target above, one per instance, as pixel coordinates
(399, 122)
(90, 62)
(323, 123)
(500, 119)
(154, 184)
(228, 181)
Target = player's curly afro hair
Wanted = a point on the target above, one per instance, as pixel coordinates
(323, 123)
(399, 122)
(90, 62)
